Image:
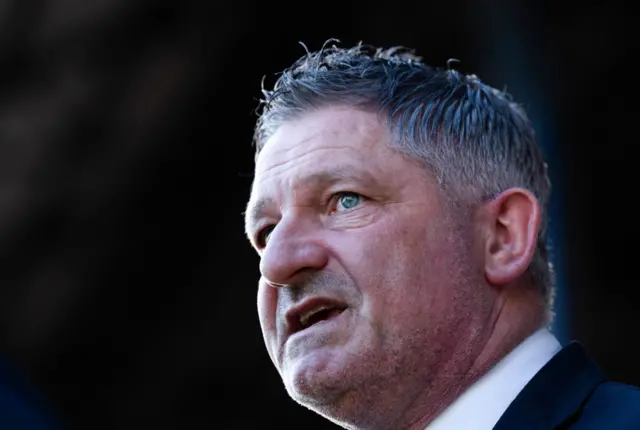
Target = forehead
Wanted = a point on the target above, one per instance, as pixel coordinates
(330, 145)
(322, 136)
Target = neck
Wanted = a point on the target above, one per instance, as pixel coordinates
(516, 316)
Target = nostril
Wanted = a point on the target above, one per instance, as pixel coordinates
(276, 285)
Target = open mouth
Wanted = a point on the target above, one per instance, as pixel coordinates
(312, 314)
(307, 319)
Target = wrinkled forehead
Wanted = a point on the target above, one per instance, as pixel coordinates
(321, 136)
(317, 150)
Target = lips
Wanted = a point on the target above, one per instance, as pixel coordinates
(312, 311)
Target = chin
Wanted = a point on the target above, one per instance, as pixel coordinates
(317, 380)
(343, 407)
(328, 385)
(329, 402)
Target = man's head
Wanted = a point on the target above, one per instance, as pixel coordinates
(398, 211)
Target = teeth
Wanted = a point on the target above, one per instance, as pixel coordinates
(304, 317)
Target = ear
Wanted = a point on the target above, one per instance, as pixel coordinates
(511, 224)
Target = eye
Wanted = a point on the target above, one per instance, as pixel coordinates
(262, 238)
(347, 201)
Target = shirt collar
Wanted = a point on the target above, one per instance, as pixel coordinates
(482, 404)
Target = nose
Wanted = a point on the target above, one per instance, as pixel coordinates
(294, 252)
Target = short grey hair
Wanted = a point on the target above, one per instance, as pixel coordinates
(472, 137)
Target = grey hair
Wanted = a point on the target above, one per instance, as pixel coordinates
(472, 137)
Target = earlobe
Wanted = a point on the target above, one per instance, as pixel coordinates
(512, 225)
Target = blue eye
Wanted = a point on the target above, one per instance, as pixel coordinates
(349, 200)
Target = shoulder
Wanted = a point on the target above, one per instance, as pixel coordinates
(612, 405)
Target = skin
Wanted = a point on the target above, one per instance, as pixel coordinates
(433, 297)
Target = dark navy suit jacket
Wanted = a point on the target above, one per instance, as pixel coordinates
(571, 392)
(21, 407)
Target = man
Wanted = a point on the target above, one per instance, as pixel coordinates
(399, 213)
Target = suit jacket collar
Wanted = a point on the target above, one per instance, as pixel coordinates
(555, 394)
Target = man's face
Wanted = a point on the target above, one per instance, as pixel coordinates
(367, 283)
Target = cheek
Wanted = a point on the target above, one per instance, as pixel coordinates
(267, 304)
(402, 270)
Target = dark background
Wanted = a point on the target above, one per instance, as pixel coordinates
(127, 289)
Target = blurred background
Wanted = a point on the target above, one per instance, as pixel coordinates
(127, 288)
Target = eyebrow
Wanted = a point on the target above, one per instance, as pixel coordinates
(322, 179)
